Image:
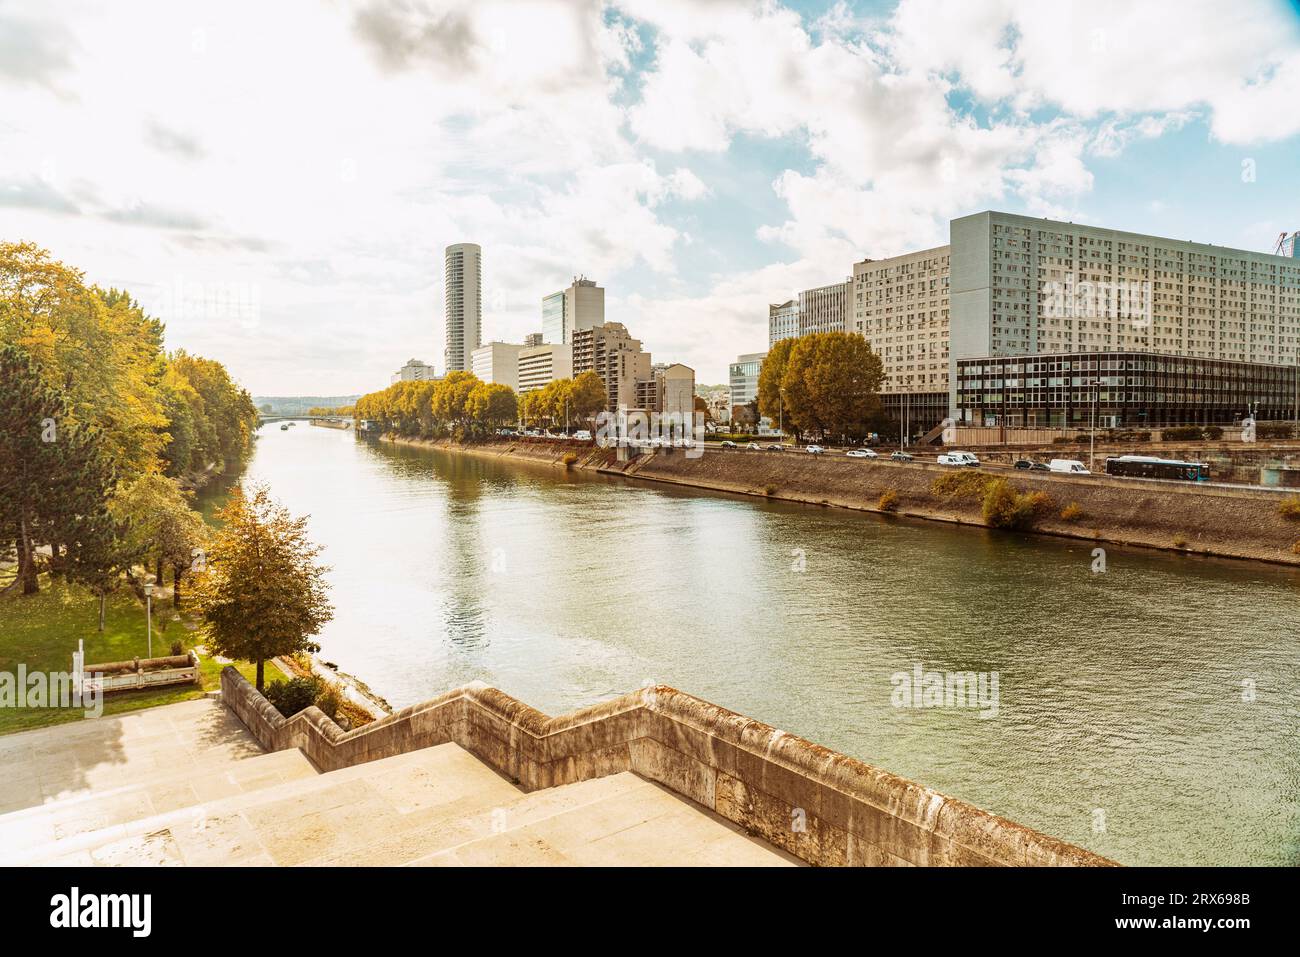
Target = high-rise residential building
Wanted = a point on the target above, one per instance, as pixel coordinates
(744, 377)
(579, 306)
(464, 289)
(1029, 287)
(497, 362)
(539, 365)
(782, 321)
(414, 371)
(533, 339)
(900, 306)
(1009, 285)
(825, 308)
(610, 352)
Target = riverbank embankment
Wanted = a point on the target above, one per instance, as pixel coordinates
(1239, 523)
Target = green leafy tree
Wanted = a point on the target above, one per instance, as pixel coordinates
(160, 526)
(263, 593)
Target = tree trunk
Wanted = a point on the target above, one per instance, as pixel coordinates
(102, 600)
(26, 560)
(177, 572)
(260, 675)
(157, 572)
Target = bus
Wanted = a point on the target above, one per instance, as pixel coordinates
(1147, 466)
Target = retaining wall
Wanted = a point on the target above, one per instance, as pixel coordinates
(822, 806)
(1237, 523)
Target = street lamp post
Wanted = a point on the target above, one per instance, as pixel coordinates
(148, 614)
(1092, 435)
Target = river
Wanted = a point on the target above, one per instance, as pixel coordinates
(1148, 712)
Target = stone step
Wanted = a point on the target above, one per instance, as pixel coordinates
(50, 764)
(438, 806)
(185, 786)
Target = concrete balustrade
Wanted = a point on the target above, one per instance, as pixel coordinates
(824, 807)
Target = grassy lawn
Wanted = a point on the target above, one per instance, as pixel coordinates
(42, 630)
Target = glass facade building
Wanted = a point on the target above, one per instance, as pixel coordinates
(553, 318)
(1130, 389)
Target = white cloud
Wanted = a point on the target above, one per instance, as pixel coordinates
(322, 154)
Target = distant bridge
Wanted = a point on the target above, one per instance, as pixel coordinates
(302, 417)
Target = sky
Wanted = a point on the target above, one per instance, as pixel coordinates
(278, 181)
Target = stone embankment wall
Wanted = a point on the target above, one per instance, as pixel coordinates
(1237, 523)
(822, 806)
(1196, 519)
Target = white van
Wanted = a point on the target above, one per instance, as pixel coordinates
(1072, 466)
(959, 458)
(582, 435)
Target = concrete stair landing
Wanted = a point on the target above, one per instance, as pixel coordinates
(186, 785)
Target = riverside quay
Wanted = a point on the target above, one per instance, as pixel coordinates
(1130, 390)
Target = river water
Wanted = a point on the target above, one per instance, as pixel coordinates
(1149, 712)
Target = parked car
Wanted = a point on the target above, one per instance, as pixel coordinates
(860, 454)
(1071, 466)
(775, 447)
(728, 444)
(959, 458)
(1040, 467)
(582, 435)
(1024, 464)
(901, 457)
(815, 449)
(754, 445)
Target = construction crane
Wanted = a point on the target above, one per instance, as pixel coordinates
(1286, 244)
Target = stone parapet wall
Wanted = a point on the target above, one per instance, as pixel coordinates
(822, 806)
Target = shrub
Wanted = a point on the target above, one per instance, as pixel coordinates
(888, 500)
(292, 696)
(1072, 512)
(1062, 440)
(1007, 507)
(1290, 508)
(570, 459)
(328, 701)
(1273, 431)
(178, 649)
(1181, 433)
(769, 490)
(1180, 541)
(1213, 433)
(962, 483)
(1296, 548)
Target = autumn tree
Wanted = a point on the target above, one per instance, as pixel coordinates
(770, 376)
(492, 404)
(263, 594)
(587, 397)
(831, 383)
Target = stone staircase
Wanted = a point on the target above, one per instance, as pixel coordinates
(186, 784)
